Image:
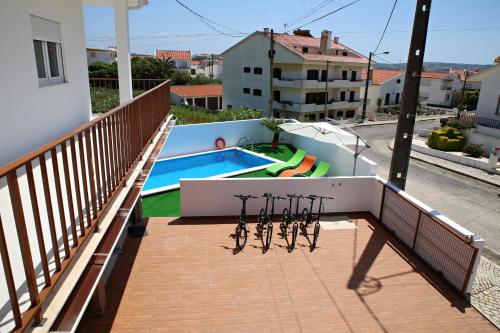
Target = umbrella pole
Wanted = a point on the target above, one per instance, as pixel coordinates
(356, 153)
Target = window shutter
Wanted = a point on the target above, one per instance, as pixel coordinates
(44, 29)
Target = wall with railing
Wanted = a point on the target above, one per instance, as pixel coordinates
(52, 198)
(137, 84)
(444, 245)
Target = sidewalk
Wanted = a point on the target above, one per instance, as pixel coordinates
(464, 170)
(485, 295)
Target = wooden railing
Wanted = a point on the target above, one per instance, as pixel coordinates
(56, 194)
(137, 84)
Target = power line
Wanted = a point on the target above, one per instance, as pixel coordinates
(327, 14)
(109, 38)
(307, 14)
(209, 23)
(386, 25)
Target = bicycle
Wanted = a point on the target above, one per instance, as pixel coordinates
(241, 229)
(308, 217)
(265, 219)
(287, 217)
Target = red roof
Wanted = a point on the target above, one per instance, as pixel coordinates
(434, 75)
(173, 54)
(195, 62)
(380, 76)
(295, 44)
(201, 90)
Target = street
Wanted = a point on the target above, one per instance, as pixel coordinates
(471, 203)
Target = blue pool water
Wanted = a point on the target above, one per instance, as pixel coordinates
(168, 172)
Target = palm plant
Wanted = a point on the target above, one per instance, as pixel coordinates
(167, 67)
(273, 125)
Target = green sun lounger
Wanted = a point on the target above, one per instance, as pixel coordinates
(321, 170)
(292, 163)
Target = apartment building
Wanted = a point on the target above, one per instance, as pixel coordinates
(436, 89)
(107, 56)
(313, 78)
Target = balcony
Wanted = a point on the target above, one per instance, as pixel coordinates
(313, 107)
(310, 84)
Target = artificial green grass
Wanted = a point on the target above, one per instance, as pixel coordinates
(168, 204)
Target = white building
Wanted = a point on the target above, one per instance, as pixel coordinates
(488, 106)
(101, 55)
(313, 78)
(436, 89)
(44, 88)
(207, 96)
(182, 59)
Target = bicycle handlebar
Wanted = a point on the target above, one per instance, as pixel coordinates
(245, 197)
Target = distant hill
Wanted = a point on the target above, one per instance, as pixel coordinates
(436, 66)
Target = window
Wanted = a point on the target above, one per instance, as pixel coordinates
(336, 52)
(349, 114)
(310, 98)
(257, 92)
(321, 116)
(344, 75)
(305, 50)
(257, 70)
(344, 54)
(229, 106)
(340, 114)
(398, 81)
(47, 49)
(353, 75)
(277, 73)
(246, 90)
(387, 98)
(342, 96)
(312, 74)
(497, 111)
(351, 96)
(276, 95)
(193, 71)
(324, 75)
(246, 69)
(396, 100)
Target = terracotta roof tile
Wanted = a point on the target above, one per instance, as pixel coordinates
(380, 76)
(295, 43)
(197, 90)
(173, 54)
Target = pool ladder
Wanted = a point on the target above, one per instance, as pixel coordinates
(243, 141)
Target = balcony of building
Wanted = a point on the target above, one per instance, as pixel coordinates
(314, 107)
(317, 84)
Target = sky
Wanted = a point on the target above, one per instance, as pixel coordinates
(460, 31)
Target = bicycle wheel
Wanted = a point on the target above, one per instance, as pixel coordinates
(269, 236)
(295, 230)
(241, 236)
(303, 221)
(261, 219)
(316, 235)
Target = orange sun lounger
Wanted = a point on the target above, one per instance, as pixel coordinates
(305, 166)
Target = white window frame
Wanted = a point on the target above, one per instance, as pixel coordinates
(49, 79)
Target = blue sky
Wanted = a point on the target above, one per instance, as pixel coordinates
(359, 26)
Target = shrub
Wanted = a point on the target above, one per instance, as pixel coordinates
(473, 150)
(446, 139)
(239, 114)
(455, 123)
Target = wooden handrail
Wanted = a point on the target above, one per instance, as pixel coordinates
(4, 169)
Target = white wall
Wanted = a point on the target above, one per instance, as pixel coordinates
(189, 139)
(107, 57)
(197, 197)
(490, 93)
(340, 158)
(32, 115)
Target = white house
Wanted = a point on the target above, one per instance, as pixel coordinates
(436, 89)
(488, 106)
(207, 96)
(313, 78)
(182, 59)
(44, 89)
(101, 55)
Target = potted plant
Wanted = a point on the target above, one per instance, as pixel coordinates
(273, 125)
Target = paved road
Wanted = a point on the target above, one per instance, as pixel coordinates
(472, 203)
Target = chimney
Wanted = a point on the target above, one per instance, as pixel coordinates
(266, 31)
(326, 41)
(336, 40)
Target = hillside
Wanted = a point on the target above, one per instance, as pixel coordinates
(436, 66)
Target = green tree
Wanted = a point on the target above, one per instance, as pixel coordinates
(273, 125)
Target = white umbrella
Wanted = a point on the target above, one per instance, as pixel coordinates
(321, 131)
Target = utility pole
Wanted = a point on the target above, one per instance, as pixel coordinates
(326, 89)
(406, 122)
(271, 54)
(363, 114)
(212, 66)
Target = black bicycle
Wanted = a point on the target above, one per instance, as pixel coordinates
(288, 217)
(308, 217)
(241, 229)
(265, 220)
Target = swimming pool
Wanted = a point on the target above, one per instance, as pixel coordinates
(165, 174)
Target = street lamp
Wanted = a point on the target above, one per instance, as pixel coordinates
(363, 114)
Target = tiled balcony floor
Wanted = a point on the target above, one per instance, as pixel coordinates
(185, 278)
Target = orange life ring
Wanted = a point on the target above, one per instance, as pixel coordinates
(220, 143)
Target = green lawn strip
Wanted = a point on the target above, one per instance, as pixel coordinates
(168, 204)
